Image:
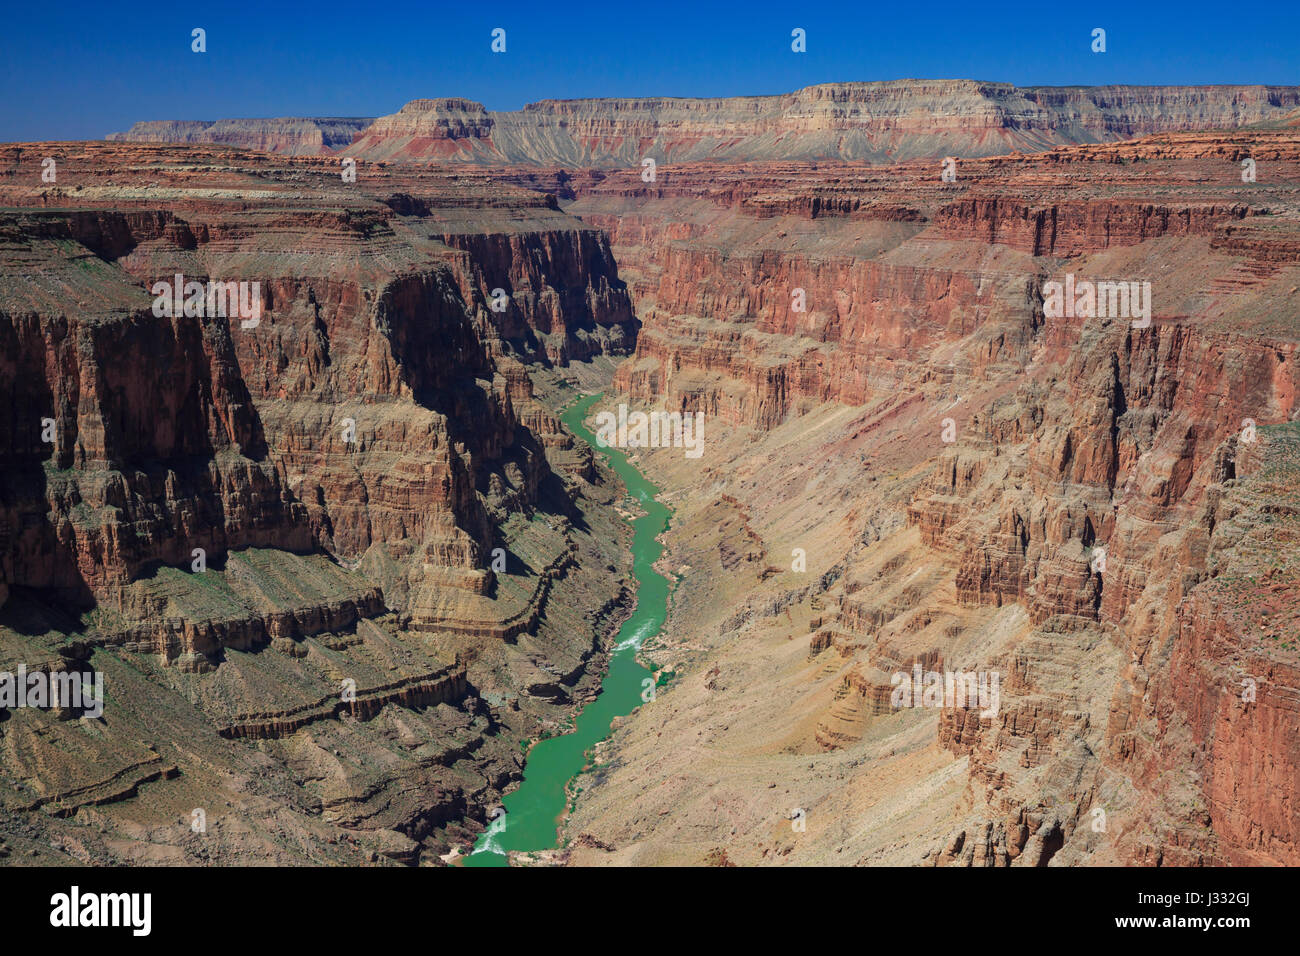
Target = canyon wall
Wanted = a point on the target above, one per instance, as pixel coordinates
(1093, 506)
(319, 508)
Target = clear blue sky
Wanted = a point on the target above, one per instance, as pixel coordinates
(78, 70)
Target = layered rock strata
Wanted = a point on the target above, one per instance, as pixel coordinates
(289, 135)
(311, 506)
(1090, 506)
(876, 122)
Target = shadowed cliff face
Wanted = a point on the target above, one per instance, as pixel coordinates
(875, 122)
(332, 522)
(1094, 509)
(376, 323)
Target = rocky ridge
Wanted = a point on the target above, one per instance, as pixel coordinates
(876, 122)
(292, 136)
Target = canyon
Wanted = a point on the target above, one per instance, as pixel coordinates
(909, 461)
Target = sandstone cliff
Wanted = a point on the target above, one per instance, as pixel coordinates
(1096, 511)
(333, 525)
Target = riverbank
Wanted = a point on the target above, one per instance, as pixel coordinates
(534, 811)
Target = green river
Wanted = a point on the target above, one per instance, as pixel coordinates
(533, 812)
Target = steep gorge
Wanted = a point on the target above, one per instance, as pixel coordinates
(331, 526)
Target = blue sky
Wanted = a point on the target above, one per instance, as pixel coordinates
(79, 70)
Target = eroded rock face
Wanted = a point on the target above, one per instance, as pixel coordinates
(1091, 506)
(889, 266)
(379, 352)
(323, 515)
(876, 122)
